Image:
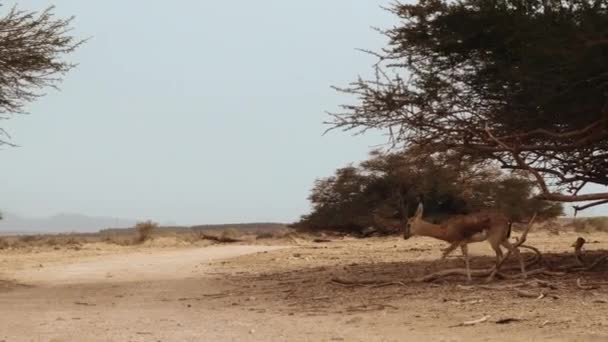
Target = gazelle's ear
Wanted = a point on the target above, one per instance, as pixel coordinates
(419, 211)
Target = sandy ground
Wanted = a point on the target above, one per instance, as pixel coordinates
(281, 293)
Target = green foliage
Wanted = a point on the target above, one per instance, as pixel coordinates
(389, 187)
(520, 82)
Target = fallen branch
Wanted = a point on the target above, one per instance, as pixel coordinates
(484, 273)
(469, 323)
(392, 283)
(529, 294)
(533, 283)
(542, 271)
(538, 257)
(596, 263)
(221, 239)
(542, 283)
(371, 307)
(584, 287)
(370, 283)
(507, 320)
(450, 272)
(525, 294)
(84, 304)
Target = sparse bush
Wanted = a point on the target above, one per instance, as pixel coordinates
(230, 233)
(114, 239)
(4, 244)
(51, 242)
(29, 238)
(273, 234)
(600, 224)
(144, 230)
(265, 235)
(591, 224)
(580, 226)
(72, 240)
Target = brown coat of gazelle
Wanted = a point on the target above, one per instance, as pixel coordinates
(461, 230)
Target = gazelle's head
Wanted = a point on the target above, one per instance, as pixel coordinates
(410, 227)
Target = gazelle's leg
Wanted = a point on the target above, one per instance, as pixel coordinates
(449, 249)
(465, 252)
(515, 250)
(498, 251)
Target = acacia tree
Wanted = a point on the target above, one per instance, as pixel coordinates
(32, 47)
(523, 83)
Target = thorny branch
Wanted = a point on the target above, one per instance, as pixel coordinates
(32, 46)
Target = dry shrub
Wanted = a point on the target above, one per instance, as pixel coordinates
(190, 237)
(276, 234)
(265, 235)
(230, 233)
(144, 230)
(600, 224)
(591, 224)
(552, 227)
(28, 239)
(580, 226)
(51, 242)
(4, 244)
(115, 239)
(72, 240)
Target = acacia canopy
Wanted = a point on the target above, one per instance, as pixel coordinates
(520, 82)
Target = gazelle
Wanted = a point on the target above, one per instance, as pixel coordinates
(461, 230)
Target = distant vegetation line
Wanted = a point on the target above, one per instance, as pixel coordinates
(257, 226)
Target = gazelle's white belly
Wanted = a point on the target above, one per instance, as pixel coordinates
(478, 237)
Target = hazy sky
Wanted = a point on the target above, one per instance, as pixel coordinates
(192, 111)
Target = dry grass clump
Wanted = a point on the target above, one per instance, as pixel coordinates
(57, 241)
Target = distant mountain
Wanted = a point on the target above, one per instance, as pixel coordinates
(61, 223)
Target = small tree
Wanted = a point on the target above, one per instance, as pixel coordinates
(386, 189)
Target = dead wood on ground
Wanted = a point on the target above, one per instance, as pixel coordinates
(221, 239)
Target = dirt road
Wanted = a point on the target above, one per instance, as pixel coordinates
(151, 265)
(138, 296)
(272, 293)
